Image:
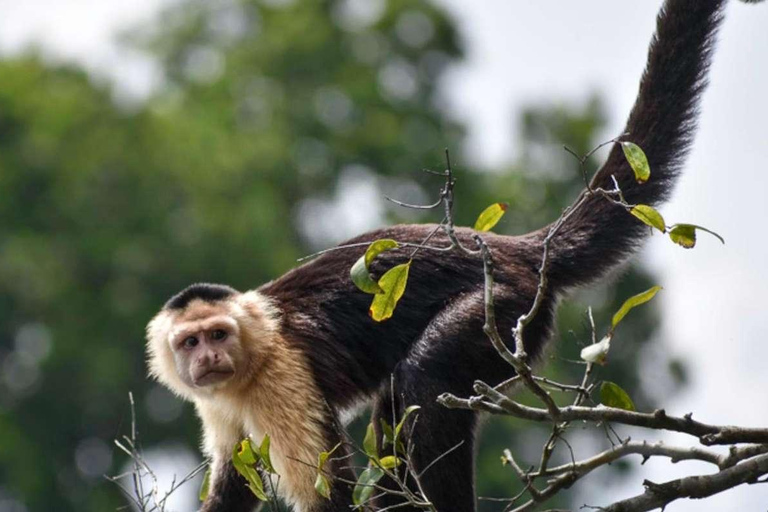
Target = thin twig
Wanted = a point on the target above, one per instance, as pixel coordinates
(440, 457)
(415, 206)
(366, 244)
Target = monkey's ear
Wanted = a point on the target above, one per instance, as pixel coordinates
(160, 357)
(157, 344)
(159, 327)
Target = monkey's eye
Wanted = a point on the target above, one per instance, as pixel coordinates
(190, 342)
(218, 334)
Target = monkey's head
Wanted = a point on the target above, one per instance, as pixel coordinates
(210, 338)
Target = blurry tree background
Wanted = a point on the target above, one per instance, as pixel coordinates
(278, 130)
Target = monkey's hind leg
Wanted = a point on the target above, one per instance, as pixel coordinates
(449, 356)
(440, 441)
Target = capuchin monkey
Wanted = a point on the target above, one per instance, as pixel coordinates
(289, 358)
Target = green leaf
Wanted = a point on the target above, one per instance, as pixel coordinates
(362, 277)
(393, 286)
(236, 461)
(322, 486)
(612, 395)
(388, 437)
(387, 433)
(632, 302)
(257, 486)
(650, 216)
(389, 462)
(360, 271)
(248, 472)
(490, 216)
(597, 352)
(246, 453)
(369, 443)
(685, 234)
(266, 460)
(323, 457)
(377, 247)
(206, 485)
(364, 487)
(407, 413)
(637, 161)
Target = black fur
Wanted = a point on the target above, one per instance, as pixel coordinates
(204, 291)
(229, 492)
(434, 343)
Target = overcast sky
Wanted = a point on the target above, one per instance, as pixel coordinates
(519, 52)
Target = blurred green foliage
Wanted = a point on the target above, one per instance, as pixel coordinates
(268, 109)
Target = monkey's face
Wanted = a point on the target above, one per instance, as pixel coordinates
(208, 347)
(206, 350)
(199, 349)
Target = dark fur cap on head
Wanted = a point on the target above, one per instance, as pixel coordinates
(207, 292)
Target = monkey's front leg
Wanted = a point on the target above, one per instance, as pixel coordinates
(228, 492)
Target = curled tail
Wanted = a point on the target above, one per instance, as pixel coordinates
(662, 122)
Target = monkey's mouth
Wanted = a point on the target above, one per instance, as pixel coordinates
(212, 376)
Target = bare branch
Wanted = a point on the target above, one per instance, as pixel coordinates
(659, 420)
(145, 499)
(696, 487)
